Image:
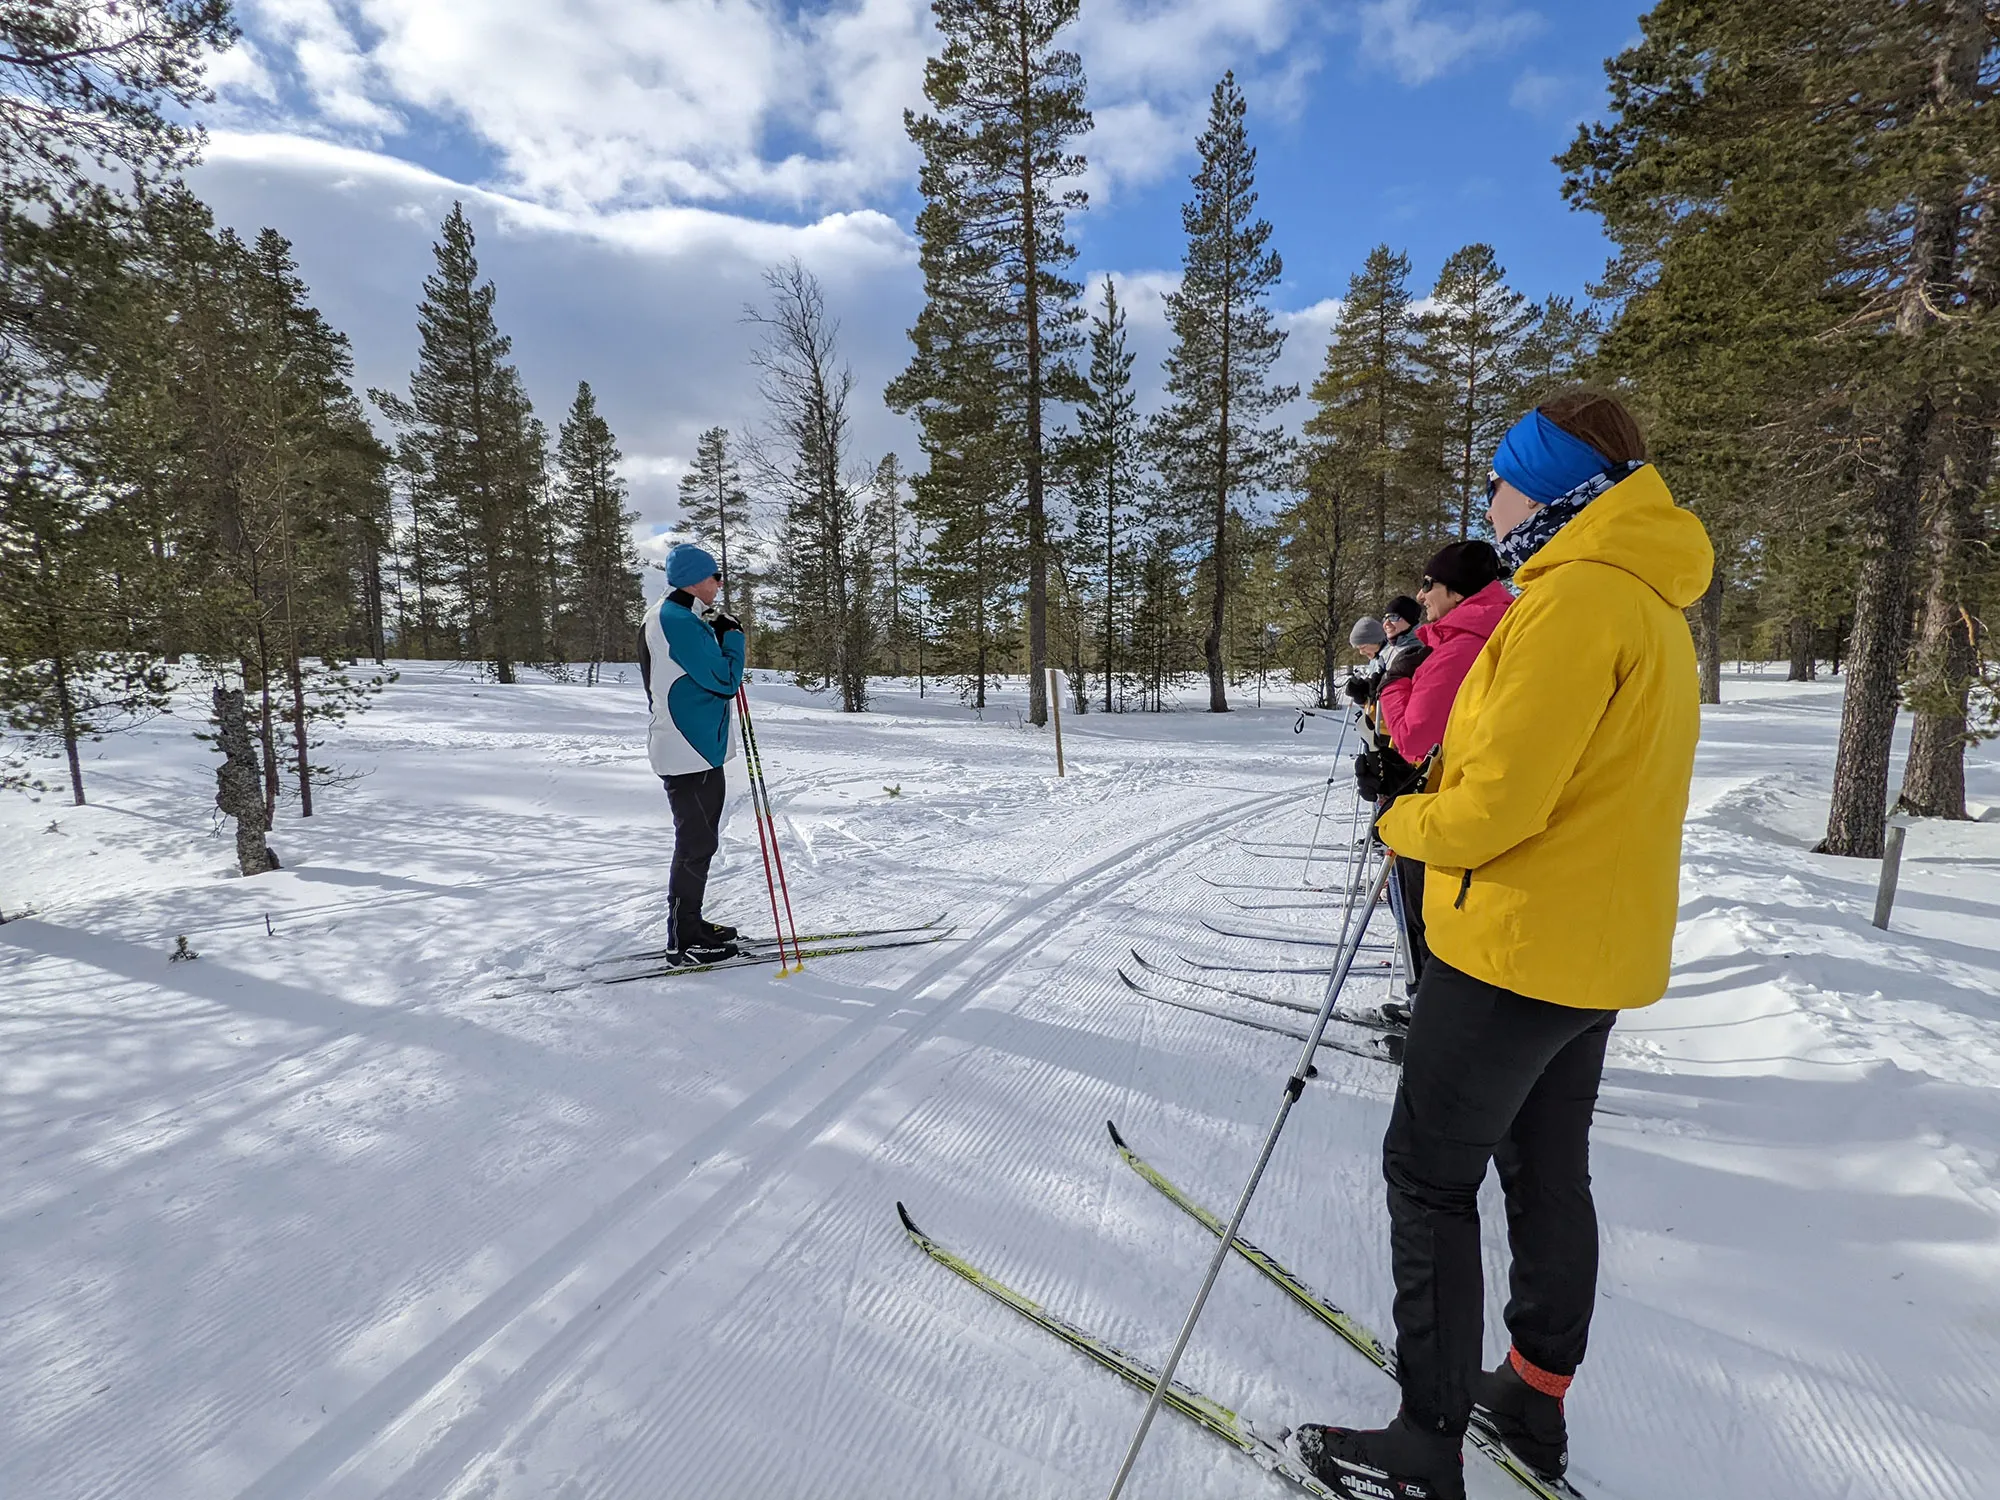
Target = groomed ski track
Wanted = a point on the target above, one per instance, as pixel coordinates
(603, 1287)
(405, 1238)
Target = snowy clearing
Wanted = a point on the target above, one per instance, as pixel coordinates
(362, 1203)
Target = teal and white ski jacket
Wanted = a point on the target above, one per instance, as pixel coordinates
(691, 675)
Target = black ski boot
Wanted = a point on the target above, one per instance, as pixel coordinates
(1396, 1013)
(1528, 1421)
(1397, 1462)
(694, 941)
(715, 932)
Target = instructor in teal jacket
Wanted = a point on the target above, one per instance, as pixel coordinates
(691, 656)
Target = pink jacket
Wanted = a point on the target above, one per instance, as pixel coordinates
(1416, 708)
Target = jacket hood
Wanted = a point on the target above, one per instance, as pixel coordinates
(1479, 615)
(1635, 526)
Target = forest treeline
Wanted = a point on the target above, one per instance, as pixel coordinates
(1800, 306)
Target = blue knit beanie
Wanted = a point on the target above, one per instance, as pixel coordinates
(688, 564)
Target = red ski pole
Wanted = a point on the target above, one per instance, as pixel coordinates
(775, 860)
(764, 849)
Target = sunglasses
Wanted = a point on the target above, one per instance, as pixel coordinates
(1427, 585)
(1492, 487)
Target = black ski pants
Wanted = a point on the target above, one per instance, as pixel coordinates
(1489, 1075)
(696, 799)
(1409, 904)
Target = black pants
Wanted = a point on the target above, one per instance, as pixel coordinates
(1410, 908)
(696, 799)
(1490, 1075)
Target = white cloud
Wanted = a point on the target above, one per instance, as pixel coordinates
(1152, 67)
(1316, 321)
(1538, 93)
(616, 101)
(863, 236)
(597, 103)
(1418, 42)
(331, 66)
(646, 304)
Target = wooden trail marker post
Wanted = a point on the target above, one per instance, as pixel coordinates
(1892, 866)
(1055, 715)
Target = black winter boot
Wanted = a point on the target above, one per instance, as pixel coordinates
(1397, 1462)
(692, 940)
(715, 932)
(1525, 1419)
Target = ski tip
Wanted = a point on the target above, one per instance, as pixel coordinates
(909, 1224)
(1116, 1139)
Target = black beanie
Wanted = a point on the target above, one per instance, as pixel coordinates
(1464, 567)
(1411, 612)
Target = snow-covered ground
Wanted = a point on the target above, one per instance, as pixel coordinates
(354, 1205)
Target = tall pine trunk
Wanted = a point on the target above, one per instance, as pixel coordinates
(1802, 648)
(1708, 638)
(66, 713)
(1891, 519)
(1038, 563)
(1218, 696)
(1945, 657)
(1875, 651)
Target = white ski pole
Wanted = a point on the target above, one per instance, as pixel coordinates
(1346, 723)
(1294, 1086)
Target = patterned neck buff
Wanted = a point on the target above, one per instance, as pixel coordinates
(1533, 534)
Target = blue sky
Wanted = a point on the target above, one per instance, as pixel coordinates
(632, 166)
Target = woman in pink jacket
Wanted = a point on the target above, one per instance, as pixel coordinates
(1463, 600)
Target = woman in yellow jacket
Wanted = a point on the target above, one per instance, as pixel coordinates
(1552, 839)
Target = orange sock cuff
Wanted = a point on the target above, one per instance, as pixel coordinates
(1537, 1378)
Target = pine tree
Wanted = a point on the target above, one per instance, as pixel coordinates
(1555, 350)
(883, 525)
(1796, 183)
(966, 503)
(602, 571)
(63, 678)
(1316, 572)
(233, 432)
(827, 571)
(1213, 443)
(714, 504)
(1105, 462)
(470, 429)
(1367, 405)
(1473, 336)
(972, 527)
(88, 103)
(998, 172)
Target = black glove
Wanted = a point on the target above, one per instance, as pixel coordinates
(1357, 690)
(1381, 775)
(724, 624)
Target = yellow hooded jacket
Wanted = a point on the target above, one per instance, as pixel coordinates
(1553, 835)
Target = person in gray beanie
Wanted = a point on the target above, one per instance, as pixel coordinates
(1368, 637)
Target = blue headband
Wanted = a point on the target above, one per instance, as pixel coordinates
(1543, 462)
